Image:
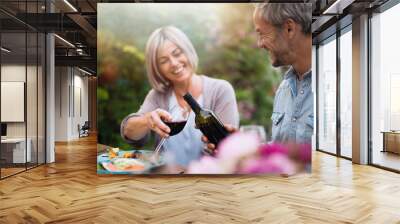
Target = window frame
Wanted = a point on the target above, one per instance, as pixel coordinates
(346, 27)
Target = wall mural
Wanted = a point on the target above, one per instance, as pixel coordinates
(191, 89)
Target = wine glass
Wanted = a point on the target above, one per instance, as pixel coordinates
(176, 125)
(256, 129)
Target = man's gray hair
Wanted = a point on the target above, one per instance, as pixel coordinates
(278, 13)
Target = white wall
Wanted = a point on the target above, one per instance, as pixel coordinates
(61, 103)
(71, 87)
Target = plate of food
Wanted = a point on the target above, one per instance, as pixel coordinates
(124, 165)
(116, 161)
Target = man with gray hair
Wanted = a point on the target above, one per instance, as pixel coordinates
(284, 30)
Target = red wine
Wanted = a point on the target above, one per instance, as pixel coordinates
(175, 126)
(207, 121)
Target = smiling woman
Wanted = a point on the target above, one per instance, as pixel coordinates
(171, 64)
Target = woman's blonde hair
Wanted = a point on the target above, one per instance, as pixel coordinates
(156, 40)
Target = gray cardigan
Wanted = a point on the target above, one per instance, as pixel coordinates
(218, 96)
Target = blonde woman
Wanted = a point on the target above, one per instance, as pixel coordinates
(171, 63)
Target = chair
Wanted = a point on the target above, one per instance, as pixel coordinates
(84, 130)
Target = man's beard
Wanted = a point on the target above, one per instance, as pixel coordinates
(279, 59)
(277, 63)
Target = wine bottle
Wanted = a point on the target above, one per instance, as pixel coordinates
(207, 121)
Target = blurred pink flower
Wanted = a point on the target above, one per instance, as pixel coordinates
(273, 164)
(269, 149)
(206, 165)
(235, 147)
(238, 145)
(243, 153)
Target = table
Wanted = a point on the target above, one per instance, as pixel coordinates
(391, 141)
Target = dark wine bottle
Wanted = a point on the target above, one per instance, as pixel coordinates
(207, 121)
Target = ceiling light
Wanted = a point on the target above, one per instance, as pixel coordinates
(70, 5)
(79, 51)
(65, 41)
(5, 49)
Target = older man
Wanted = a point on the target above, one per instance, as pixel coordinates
(284, 30)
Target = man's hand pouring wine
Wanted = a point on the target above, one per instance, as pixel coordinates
(210, 147)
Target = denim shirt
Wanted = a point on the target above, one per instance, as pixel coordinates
(293, 113)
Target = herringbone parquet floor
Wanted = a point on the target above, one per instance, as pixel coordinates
(70, 191)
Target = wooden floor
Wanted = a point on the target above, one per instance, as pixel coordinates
(10, 171)
(5, 172)
(70, 191)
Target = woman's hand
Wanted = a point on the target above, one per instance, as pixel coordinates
(211, 146)
(155, 122)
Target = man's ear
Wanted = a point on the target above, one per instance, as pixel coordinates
(290, 27)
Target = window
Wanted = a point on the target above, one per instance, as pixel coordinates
(346, 74)
(327, 96)
(22, 68)
(385, 88)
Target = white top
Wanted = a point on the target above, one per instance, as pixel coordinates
(185, 146)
